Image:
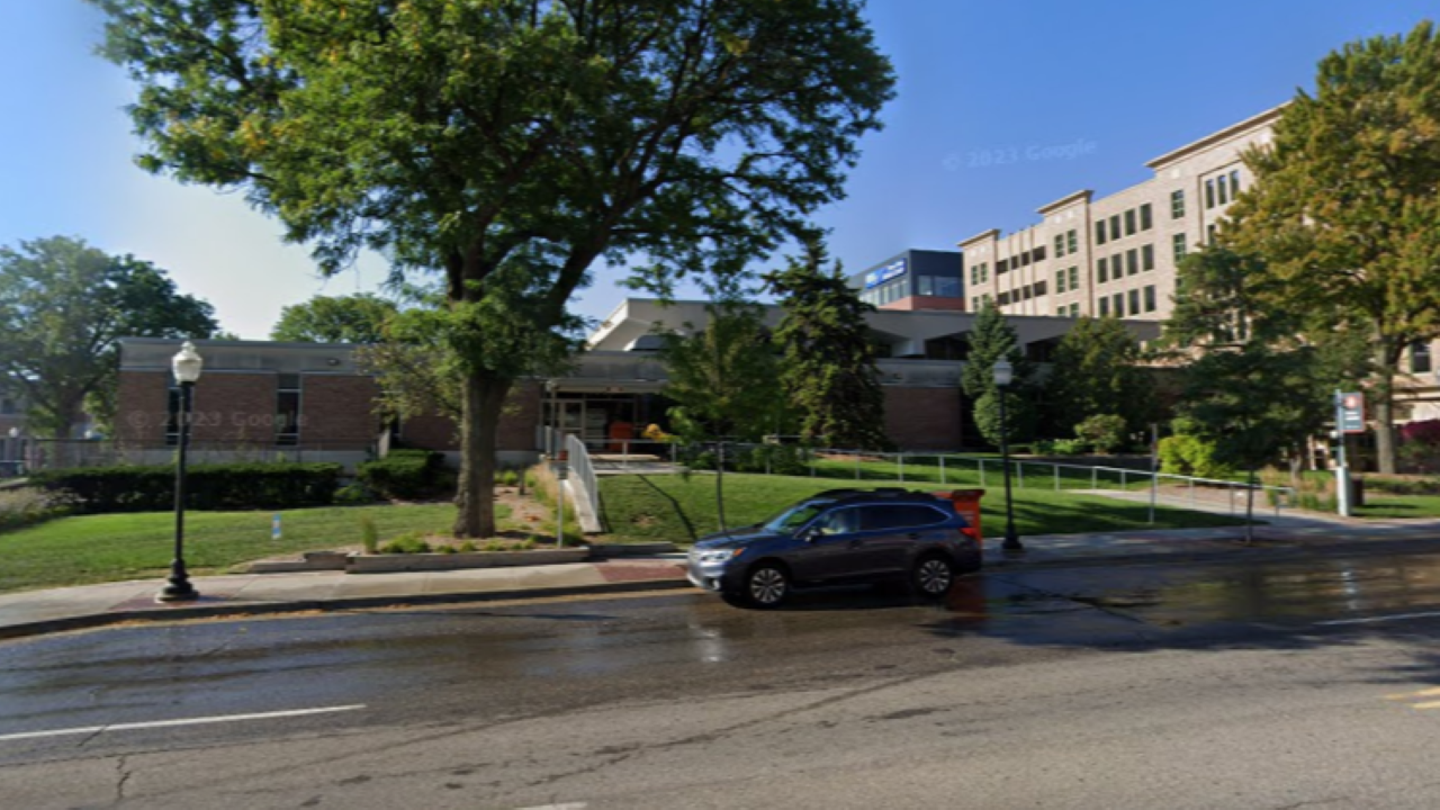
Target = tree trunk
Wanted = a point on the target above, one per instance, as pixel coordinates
(484, 396)
(1385, 412)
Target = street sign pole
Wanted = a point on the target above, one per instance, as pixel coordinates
(1342, 469)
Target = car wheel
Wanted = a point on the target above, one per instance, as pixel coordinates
(767, 586)
(933, 576)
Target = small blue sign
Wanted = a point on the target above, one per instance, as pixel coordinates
(1351, 408)
(875, 278)
(275, 526)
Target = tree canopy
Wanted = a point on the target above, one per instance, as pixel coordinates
(829, 370)
(724, 378)
(63, 305)
(1096, 371)
(509, 145)
(1345, 210)
(356, 318)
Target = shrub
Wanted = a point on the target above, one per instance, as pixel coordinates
(509, 478)
(407, 543)
(369, 537)
(1183, 454)
(1105, 432)
(778, 459)
(1043, 447)
(408, 475)
(208, 486)
(23, 506)
(1071, 447)
(354, 495)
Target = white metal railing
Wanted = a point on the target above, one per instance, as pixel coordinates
(951, 468)
(578, 458)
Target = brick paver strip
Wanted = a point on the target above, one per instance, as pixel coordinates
(636, 572)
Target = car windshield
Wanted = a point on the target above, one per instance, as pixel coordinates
(796, 516)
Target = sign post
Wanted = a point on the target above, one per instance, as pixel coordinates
(1349, 418)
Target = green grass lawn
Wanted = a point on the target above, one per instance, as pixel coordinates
(106, 548)
(678, 509)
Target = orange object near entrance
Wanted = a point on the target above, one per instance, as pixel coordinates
(967, 503)
(620, 434)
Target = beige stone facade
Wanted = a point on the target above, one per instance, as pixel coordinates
(1116, 255)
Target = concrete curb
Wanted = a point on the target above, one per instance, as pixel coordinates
(168, 614)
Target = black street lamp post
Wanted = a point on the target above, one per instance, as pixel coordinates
(1004, 372)
(186, 365)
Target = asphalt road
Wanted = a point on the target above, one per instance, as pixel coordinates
(1279, 685)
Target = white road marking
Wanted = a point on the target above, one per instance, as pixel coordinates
(1376, 619)
(191, 721)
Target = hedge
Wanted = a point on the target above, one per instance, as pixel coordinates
(207, 486)
(408, 475)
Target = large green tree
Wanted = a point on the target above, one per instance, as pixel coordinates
(1345, 209)
(63, 305)
(358, 318)
(993, 338)
(725, 377)
(1096, 370)
(509, 145)
(829, 371)
(1254, 389)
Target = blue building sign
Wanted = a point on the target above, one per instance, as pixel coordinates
(875, 278)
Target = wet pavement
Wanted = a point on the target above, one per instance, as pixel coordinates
(31, 612)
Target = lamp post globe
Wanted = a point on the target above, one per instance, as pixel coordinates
(186, 366)
(1004, 374)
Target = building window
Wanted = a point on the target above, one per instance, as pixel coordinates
(1101, 268)
(7, 406)
(1059, 245)
(926, 285)
(1234, 182)
(1150, 298)
(1210, 234)
(287, 410)
(1025, 259)
(1002, 267)
(1059, 281)
(1040, 287)
(1210, 193)
(1147, 257)
(1220, 189)
(1075, 310)
(1134, 302)
(1130, 222)
(1004, 299)
(1420, 357)
(1146, 221)
(1100, 232)
(975, 304)
(1177, 203)
(1104, 307)
(1117, 303)
(1075, 277)
(1132, 262)
(1072, 242)
(1177, 243)
(1115, 227)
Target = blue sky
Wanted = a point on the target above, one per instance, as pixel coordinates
(1125, 80)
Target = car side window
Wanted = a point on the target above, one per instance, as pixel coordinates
(838, 521)
(881, 517)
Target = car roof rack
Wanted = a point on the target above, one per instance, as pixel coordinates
(877, 492)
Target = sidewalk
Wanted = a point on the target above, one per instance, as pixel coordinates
(46, 611)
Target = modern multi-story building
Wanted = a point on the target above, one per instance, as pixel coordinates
(1116, 255)
(915, 279)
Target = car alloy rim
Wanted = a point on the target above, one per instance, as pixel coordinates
(767, 586)
(934, 576)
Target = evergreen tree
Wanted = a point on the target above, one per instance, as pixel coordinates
(992, 338)
(829, 370)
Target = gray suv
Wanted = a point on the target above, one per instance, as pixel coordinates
(836, 537)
